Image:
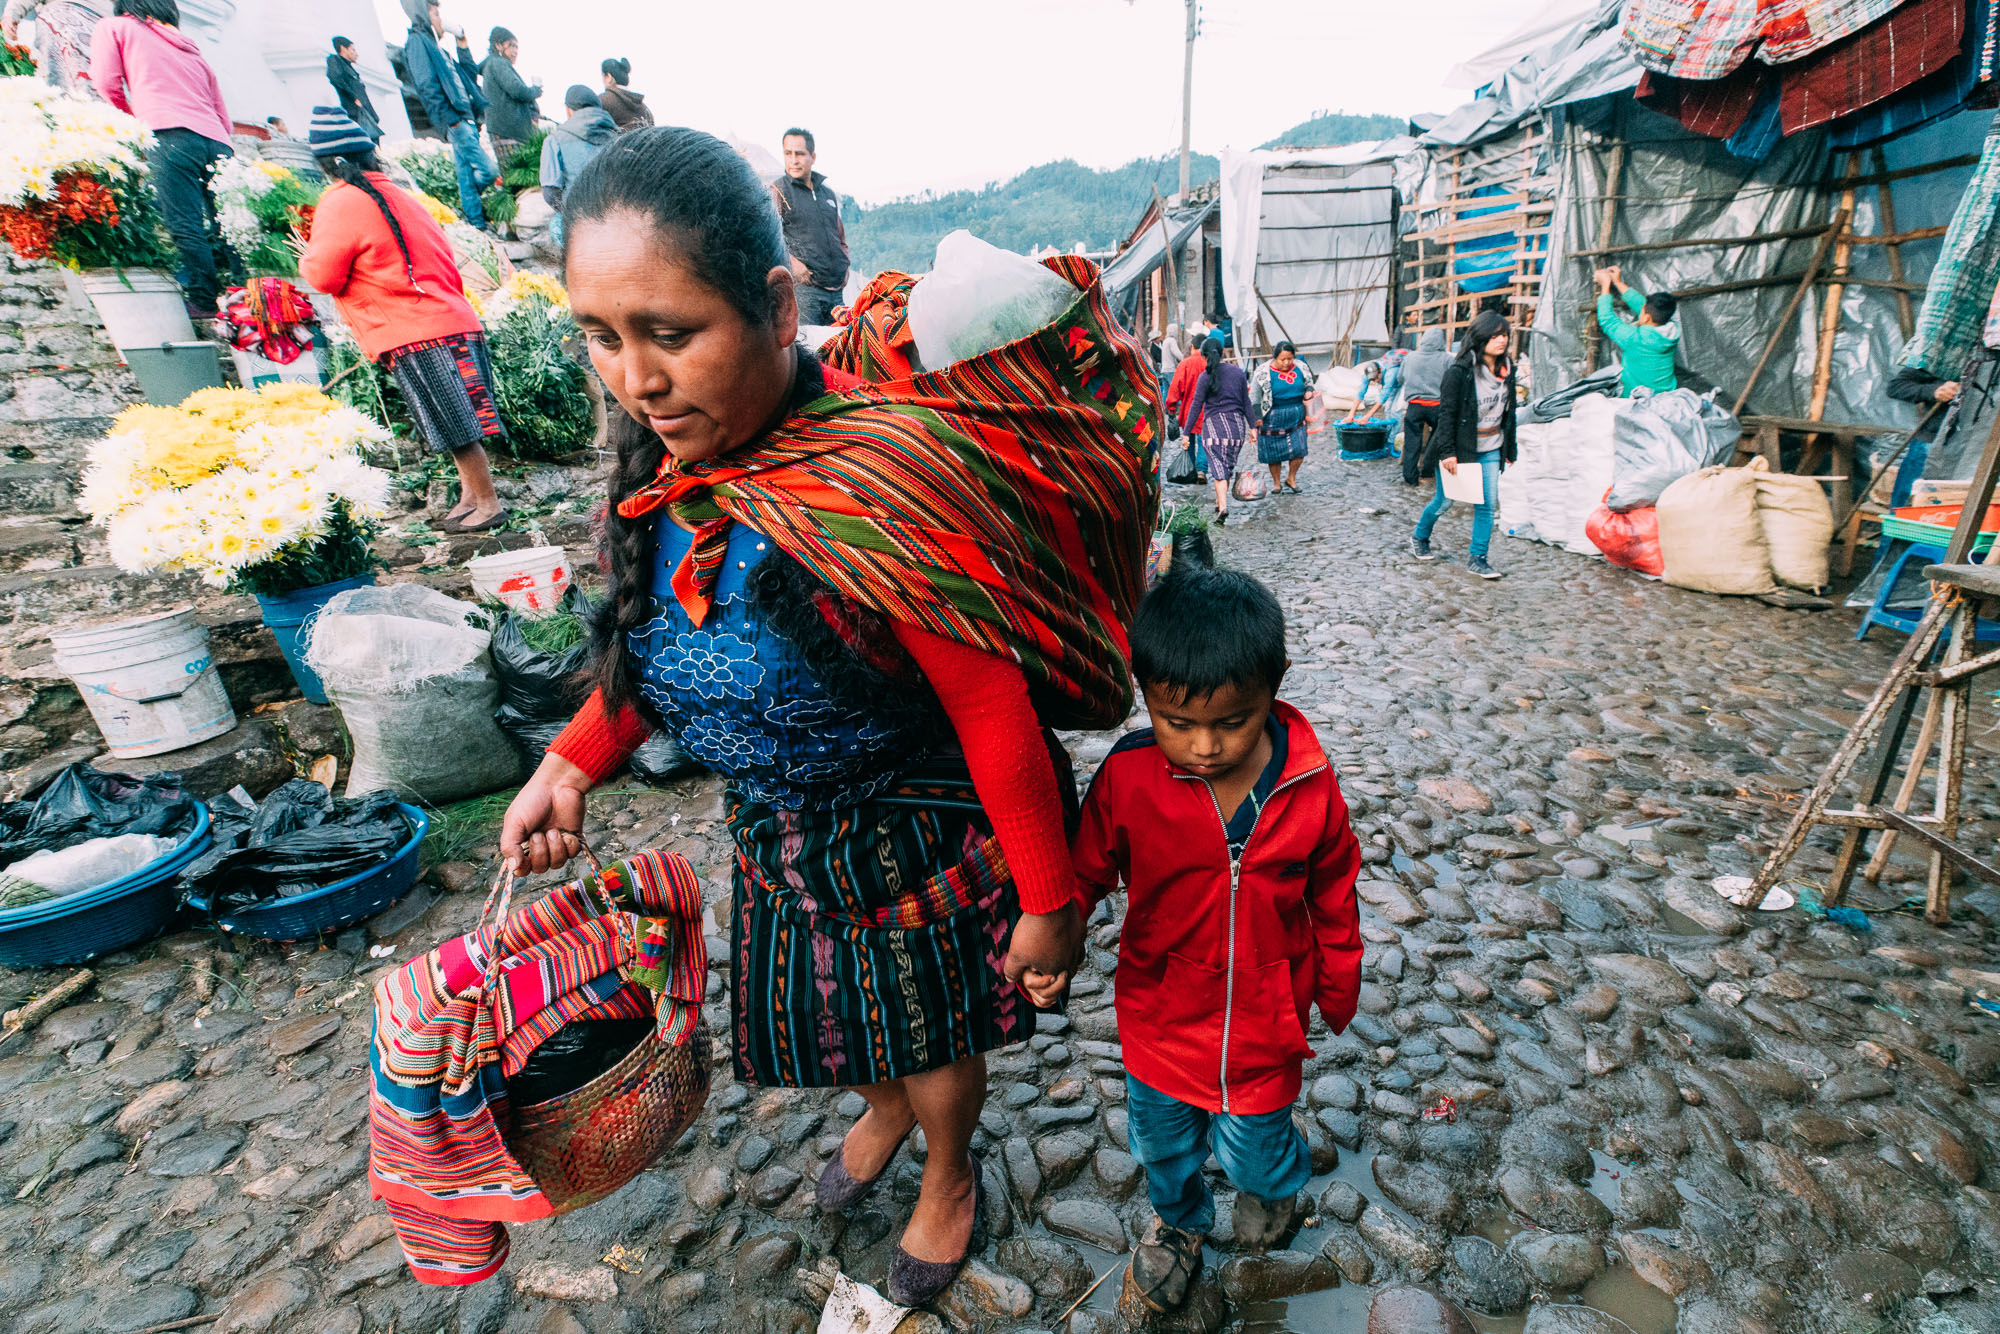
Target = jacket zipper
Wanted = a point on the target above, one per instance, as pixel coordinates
(1235, 881)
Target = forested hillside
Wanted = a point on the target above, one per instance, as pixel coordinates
(1059, 203)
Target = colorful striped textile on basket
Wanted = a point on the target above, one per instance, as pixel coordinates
(444, 1046)
(1004, 501)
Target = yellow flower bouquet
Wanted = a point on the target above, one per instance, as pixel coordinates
(265, 491)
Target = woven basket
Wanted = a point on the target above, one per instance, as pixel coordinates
(585, 1145)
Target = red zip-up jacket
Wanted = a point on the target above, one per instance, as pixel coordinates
(1221, 960)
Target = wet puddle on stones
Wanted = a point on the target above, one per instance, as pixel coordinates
(1617, 1291)
(1442, 867)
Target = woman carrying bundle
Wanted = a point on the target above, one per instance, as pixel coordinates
(389, 267)
(854, 599)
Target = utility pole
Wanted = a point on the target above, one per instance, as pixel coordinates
(1187, 94)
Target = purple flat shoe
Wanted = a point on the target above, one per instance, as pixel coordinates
(838, 1191)
(914, 1282)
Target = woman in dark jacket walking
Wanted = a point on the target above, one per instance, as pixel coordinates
(1475, 429)
(1220, 409)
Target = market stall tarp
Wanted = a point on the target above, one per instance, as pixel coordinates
(1574, 63)
(1123, 275)
(1309, 240)
(1677, 185)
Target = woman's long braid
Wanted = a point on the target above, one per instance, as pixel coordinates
(628, 543)
(354, 171)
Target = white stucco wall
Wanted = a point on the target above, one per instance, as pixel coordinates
(270, 56)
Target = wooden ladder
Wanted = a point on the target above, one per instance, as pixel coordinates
(1941, 677)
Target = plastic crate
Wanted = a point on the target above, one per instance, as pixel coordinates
(338, 905)
(1932, 525)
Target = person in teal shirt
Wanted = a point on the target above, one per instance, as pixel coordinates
(1646, 344)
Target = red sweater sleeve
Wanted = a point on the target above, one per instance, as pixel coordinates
(598, 743)
(986, 698)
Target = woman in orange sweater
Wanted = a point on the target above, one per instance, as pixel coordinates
(389, 267)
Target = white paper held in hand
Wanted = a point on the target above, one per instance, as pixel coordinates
(1468, 484)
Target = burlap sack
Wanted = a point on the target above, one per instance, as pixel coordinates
(1710, 537)
(1798, 527)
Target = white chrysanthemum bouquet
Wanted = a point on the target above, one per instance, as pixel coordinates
(72, 181)
(264, 491)
(266, 213)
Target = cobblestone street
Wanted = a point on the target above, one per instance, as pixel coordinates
(1671, 1113)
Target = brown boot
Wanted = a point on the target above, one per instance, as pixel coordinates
(1262, 1225)
(1164, 1267)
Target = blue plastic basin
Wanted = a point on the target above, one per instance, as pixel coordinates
(338, 905)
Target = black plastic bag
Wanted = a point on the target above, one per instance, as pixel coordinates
(572, 1056)
(298, 839)
(1557, 406)
(82, 803)
(1181, 471)
(539, 692)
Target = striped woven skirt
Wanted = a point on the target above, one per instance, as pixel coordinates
(869, 942)
(448, 383)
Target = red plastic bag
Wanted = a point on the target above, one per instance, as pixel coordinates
(1631, 539)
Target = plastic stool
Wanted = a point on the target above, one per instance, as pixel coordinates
(1985, 631)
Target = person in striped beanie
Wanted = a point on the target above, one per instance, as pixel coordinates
(389, 266)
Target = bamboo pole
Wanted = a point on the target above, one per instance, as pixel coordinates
(1836, 292)
(1905, 794)
(1167, 263)
(1885, 197)
(1791, 309)
(1613, 182)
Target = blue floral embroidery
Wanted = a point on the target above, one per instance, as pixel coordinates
(712, 666)
(716, 740)
(807, 713)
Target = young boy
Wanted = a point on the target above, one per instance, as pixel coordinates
(1226, 825)
(1646, 347)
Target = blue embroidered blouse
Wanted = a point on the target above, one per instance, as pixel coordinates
(739, 697)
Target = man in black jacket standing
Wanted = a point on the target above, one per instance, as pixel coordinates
(814, 233)
(513, 109)
(344, 73)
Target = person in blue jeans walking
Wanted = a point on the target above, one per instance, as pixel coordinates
(1475, 429)
(1226, 825)
(450, 93)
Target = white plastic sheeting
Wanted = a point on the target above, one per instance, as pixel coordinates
(1309, 241)
(1560, 478)
(1554, 20)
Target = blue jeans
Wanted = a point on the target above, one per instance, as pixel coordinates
(1482, 515)
(1264, 1155)
(475, 171)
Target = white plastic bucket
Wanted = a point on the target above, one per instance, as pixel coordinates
(253, 370)
(532, 579)
(139, 307)
(150, 682)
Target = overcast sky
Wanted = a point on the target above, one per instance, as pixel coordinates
(909, 95)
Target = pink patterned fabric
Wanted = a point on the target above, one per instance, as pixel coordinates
(1707, 39)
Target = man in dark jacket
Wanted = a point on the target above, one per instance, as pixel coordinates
(344, 73)
(1933, 396)
(1423, 386)
(814, 233)
(450, 93)
(513, 110)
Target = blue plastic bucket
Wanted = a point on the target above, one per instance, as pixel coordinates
(286, 616)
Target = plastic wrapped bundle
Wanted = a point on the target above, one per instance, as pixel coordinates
(410, 671)
(978, 297)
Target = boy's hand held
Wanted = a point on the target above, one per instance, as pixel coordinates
(1044, 952)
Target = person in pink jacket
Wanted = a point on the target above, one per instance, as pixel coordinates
(144, 65)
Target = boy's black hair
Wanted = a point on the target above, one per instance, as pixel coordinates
(1661, 306)
(1200, 628)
